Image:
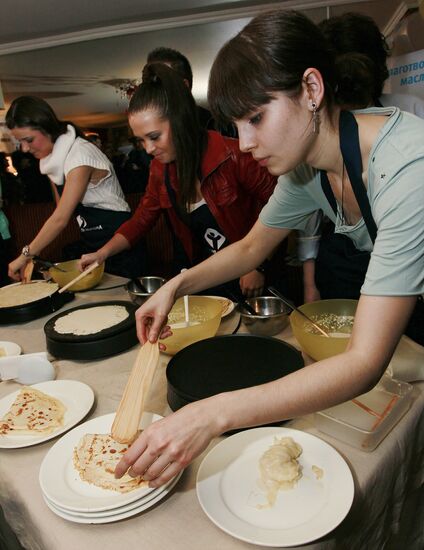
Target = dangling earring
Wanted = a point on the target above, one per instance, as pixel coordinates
(315, 118)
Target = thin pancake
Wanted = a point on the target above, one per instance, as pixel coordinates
(90, 320)
(20, 294)
(96, 457)
(32, 412)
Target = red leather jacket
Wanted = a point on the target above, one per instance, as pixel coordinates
(234, 186)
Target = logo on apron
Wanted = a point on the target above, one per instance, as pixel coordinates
(83, 225)
(82, 222)
(214, 239)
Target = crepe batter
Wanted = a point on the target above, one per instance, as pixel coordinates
(19, 294)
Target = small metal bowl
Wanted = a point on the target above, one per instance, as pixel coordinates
(150, 283)
(272, 315)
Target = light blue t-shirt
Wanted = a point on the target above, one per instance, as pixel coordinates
(396, 195)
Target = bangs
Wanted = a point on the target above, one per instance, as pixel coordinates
(235, 87)
(241, 80)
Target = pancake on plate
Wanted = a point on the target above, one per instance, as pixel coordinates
(96, 457)
(20, 294)
(33, 412)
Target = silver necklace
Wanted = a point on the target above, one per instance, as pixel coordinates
(342, 214)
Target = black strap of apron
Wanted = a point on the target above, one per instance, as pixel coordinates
(183, 216)
(351, 153)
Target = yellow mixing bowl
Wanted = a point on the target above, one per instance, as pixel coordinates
(204, 313)
(71, 271)
(314, 344)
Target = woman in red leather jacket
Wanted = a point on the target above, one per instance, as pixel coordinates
(210, 192)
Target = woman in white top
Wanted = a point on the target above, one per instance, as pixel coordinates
(84, 179)
(275, 79)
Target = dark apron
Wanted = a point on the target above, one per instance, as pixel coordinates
(230, 289)
(340, 267)
(97, 227)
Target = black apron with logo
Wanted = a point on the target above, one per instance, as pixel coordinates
(340, 267)
(97, 227)
(204, 245)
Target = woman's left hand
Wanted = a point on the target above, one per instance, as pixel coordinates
(169, 445)
(252, 283)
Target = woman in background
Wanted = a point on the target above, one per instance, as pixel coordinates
(361, 54)
(275, 79)
(84, 183)
(210, 191)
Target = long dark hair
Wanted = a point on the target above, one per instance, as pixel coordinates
(164, 90)
(269, 55)
(34, 112)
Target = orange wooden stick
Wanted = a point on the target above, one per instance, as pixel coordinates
(386, 411)
(367, 409)
(29, 268)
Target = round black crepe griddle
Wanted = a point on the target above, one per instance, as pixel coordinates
(104, 343)
(34, 310)
(227, 363)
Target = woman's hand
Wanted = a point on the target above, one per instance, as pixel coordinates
(169, 445)
(310, 290)
(152, 316)
(17, 267)
(311, 294)
(252, 283)
(88, 259)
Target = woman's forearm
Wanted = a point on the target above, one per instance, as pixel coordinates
(50, 230)
(116, 244)
(313, 388)
(325, 383)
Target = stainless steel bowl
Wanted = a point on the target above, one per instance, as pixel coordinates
(272, 315)
(150, 283)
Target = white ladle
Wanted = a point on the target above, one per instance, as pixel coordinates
(27, 369)
(186, 311)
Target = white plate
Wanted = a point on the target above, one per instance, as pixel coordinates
(118, 516)
(121, 509)
(61, 482)
(10, 348)
(229, 307)
(77, 397)
(228, 490)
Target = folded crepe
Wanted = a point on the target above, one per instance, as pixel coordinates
(33, 412)
(96, 457)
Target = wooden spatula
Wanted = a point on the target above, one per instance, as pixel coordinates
(89, 269)
(126, 424)
(29, 268)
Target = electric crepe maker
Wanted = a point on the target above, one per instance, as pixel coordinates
(30, 311)
(227, 363)
(106, 342)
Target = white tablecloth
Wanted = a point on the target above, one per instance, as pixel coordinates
(388, 510)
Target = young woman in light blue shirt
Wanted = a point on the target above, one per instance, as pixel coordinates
(275, 80)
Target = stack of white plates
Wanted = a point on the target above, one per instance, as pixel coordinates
(73, 499)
